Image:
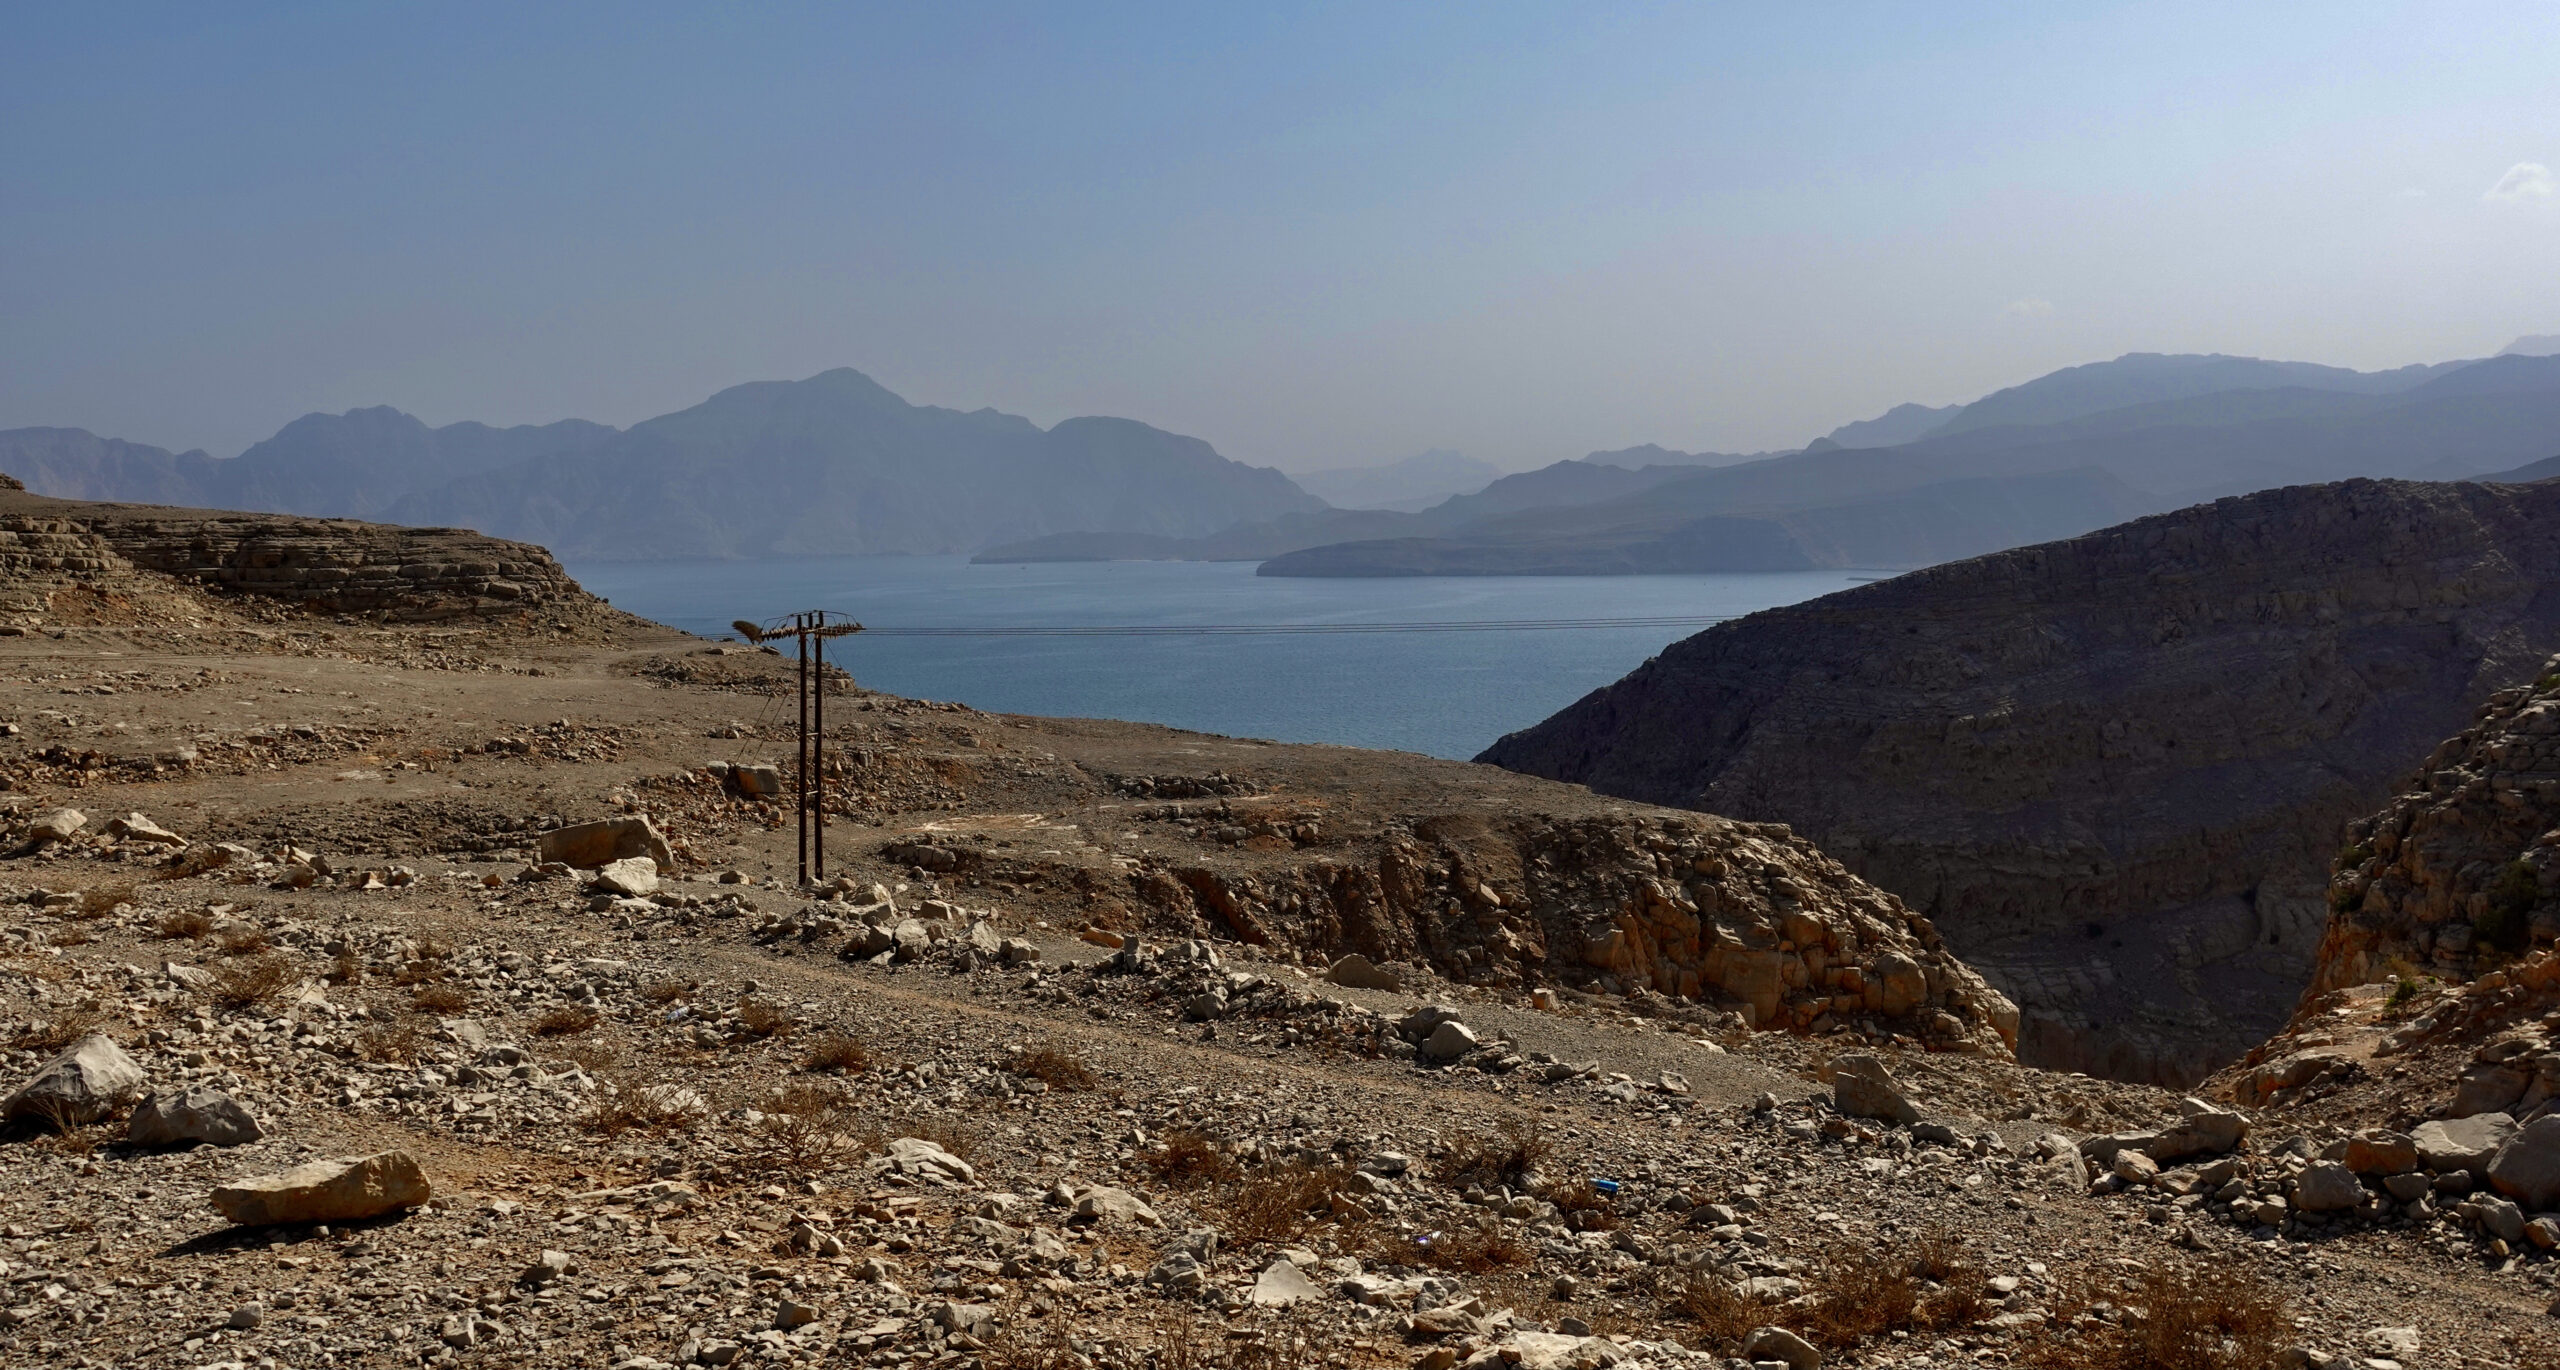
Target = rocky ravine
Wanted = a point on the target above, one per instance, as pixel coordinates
(2114, 769)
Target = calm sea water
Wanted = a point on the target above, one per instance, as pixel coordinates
(1446, 694)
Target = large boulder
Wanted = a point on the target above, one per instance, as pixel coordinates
(198, 1113)
(2379, 1151)
(342, 1190)
(2328, 1187)
(52, 827)
(920, 1159)
(1862, 1088)
(632, 877)
(589, 846)
(2527, 1166)
(2204, 1131)
(1449, 1041)
(2462, 1143)
(134, 827)
(1359, 972)
(89, 1080)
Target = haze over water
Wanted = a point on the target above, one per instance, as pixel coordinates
(1445, 694)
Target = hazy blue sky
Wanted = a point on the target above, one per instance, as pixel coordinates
(1312, 234)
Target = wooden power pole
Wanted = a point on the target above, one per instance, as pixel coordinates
(809, 781)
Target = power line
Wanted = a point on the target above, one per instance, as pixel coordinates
(1513, 625)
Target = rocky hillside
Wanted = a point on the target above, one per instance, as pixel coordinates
(2456, 875)
(2114, 769)
(49, 546)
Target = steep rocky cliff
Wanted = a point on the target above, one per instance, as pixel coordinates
(2113, 769)
(2458, 873)
(332, 565)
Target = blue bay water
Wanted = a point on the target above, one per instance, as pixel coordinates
(1446, 694)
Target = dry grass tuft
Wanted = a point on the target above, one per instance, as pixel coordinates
(805, 1126)
(391, 1045)
(1188, 1161)
(1585, 1207)
(1056, 1068)
(252, 981)
(833, 1053)
(763, 1021)
(634, 1104)
(2168, 1318)
(566, 1021)
(57, 1032)
(66, 1134)
(1281, 1202)
(192, 924)
(1489, 1161)
(1466, 1250)
(246, 940)
(1724, 1317)
(439, 997)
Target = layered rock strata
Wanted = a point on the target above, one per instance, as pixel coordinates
(329, 565)
(2114, 770)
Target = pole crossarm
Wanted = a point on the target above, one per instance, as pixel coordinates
(810, 631)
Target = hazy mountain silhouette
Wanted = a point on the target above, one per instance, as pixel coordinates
(1415, 483)
(1892, 428)
(832, 464)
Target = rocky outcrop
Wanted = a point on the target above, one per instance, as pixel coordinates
(2461, 871)
(2113, 770)
(328, 565)
(1668, 910)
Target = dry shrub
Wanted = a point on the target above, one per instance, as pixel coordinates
(252, 981)
(1281, 1202)
(246, 940)
(592, 1056)
(1189, 1160)
(66, 1133)
(1491, 1161)
(1723, 1315)
(400, 1046)
(191, 924)
(1466, 1250)
(99, 902)
(57, 1032)
(439, 997)
(566, 1021)
(1056, 1068)
(1192, 1344)
(1584, 1206)
(1856, 1295)
(762, 1020)
(635, 1104)
(1020, 1348)
(2179, 1318)
(1963, 1293)
(833, 1053)
(805, 1126)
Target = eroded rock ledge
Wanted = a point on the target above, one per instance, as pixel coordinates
(328, 565)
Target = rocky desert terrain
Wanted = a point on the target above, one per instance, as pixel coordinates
(403, 962)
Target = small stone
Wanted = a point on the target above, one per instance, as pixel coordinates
(1779, 1344)
(246, 1318)
(1102, 1202)
(632, 877)
(1449, 1041)
(1359, 972)
(2379, 1151)
(1861, 1087)
(1281, 1284)
(793, 1314)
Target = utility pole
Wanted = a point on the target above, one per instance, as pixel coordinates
(809, 782)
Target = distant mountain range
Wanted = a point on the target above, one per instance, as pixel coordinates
(834, 464)
(1413, 484)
